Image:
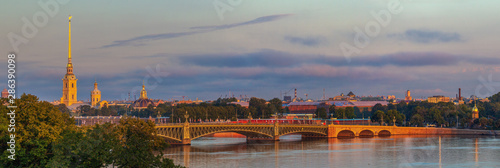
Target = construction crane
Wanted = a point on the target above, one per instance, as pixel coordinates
(286, 93)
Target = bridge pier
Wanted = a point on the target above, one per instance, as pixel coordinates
(331, 131)
(276, 138)
(186, 141)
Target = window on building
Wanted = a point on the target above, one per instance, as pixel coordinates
(72, 97)
(66, 85)
(72, 85)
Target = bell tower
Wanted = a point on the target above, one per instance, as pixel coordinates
(69, 96)
(95, 95)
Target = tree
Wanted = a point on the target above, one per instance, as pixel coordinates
(331, 110)
(340, 113)
(93, 148)
(483, 121)
(277, 105)
(321, 113)
(417, 119)
(379, 116)
(63, 109)
(349, 113)
(378, 107)
(38, 125)
(262, 109)
(495, 98)
(139, 143)
(391, 114)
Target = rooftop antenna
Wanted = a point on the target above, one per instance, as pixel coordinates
(324, 94)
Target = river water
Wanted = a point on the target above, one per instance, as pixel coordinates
(292, 151)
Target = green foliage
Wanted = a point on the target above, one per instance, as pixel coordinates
(261, 109)
(391, 114)
(321, 113)
(495, 98)
(417, 120)
(38, 126)
(331, 110)
(47, 137)
(86, 110)
(276, 104)
(378, 107)
(349, 112)
(380, 117)
(345, 113)
(138, 143)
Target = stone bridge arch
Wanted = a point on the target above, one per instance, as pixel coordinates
(366, 133)
(384, 133)
(346, 133)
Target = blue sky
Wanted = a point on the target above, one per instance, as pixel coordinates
(257, 48)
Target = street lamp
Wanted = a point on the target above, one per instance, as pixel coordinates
(394, 121)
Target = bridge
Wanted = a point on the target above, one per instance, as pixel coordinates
(185, 132)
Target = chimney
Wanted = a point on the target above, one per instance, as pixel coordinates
(459, 93)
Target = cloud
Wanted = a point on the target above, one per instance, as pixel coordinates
(263, 58)
(427, 36)
(262, 19)
(276, 59)
(306, 41)
(138, 41)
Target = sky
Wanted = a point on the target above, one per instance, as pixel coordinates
(208, 49)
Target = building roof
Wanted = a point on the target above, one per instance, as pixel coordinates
(303, 103)
(75, 105)
(357, 103)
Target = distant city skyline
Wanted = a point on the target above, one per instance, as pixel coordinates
(200, 49)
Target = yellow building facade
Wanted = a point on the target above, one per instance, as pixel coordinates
(95, 96)
(70, 90)
(475, 112)
(437, 99)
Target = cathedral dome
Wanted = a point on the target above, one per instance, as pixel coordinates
(141, 103)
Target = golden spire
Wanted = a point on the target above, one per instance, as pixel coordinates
(69, 67)
(69, 40)
(95, 84)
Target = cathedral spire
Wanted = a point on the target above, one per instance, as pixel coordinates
(69, 67)
(69, 81)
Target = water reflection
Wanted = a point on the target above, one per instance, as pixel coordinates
(292, 151)
(476, 153)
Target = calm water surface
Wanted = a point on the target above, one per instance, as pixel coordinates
(291, 151)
